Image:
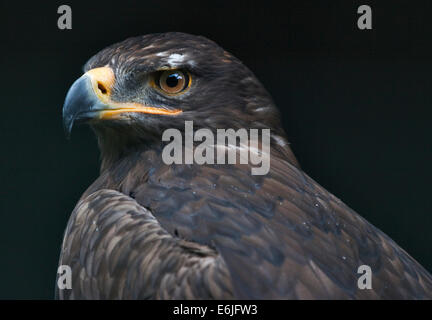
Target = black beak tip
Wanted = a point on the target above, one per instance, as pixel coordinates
(67, 127)
(79, 101)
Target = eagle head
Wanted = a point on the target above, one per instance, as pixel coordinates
(132, 91)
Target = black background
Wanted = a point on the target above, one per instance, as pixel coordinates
(356, 105)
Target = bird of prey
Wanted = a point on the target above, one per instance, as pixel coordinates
(146, 229)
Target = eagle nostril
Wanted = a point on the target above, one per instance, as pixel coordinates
(102, 88)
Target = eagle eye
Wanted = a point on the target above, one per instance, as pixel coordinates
(173, 81)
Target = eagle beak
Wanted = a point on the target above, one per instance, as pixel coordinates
(89, 99)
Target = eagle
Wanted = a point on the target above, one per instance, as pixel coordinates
(148, 229)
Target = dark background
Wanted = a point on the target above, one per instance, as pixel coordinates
(356, 105)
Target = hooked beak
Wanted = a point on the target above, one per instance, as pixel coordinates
(89, 98)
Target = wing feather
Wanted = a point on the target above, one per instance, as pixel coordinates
(118, 250)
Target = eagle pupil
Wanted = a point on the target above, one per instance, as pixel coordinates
(172, 80)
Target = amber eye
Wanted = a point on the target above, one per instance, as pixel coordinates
(174, 81)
